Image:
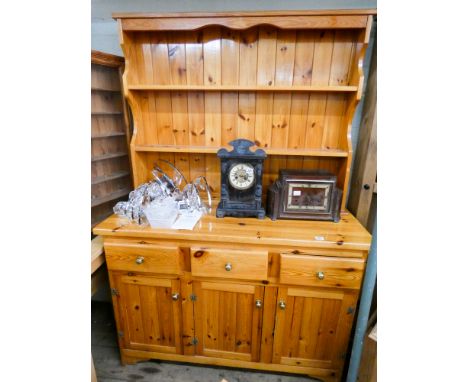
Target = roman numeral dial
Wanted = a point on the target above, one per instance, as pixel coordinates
(242, 176)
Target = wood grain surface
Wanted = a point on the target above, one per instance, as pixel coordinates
(244, 22)
(155, 258)
(247, 264)
(229, 320)
(348, 234)
(304, 270)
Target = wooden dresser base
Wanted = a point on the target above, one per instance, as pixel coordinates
(286, 302)
(130, 357)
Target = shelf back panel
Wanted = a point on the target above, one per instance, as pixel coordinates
(261, 55)
(193, 165)
(213, 119)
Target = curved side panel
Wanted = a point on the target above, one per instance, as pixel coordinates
(134, 106)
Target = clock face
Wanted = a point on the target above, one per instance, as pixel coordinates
(308, 196)
(241, 176)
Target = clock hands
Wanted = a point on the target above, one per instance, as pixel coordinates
(241, 176)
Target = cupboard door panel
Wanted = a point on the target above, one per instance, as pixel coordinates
(227, 321)
(151, 317)
(268, 324)
(312, 327)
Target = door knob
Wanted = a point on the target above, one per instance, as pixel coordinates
(175, 296)
(228, 267)
(258, 304)
(140, 260)
(282, 305)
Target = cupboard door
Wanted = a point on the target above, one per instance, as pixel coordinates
(228, 319)
(312, 327)
(150, 310)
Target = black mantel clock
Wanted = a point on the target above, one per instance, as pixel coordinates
(241, 181)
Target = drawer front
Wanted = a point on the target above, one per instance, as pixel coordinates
(144, 258)
(321, 271)
(228, 263)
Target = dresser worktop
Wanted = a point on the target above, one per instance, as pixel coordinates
(348, 234)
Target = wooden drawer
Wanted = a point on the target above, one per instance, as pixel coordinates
(321, 271)
(229, 263)
(144, 258)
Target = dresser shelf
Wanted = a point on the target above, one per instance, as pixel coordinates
(107, 198)
(214, 150)
(106, 178)
(245, 88)
(105, 89)
(108, 156)
(109, 134)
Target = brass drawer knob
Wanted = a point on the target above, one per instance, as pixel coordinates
(140, 260)
(320, 275)
(175, 296)
(258, 303)
(282, 305)
(228, 267)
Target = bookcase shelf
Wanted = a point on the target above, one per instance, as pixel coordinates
(108, 134)
(105, 89)
(112, 196)
(244, 88)
(269, 151)
(108, 177)
(108, 156)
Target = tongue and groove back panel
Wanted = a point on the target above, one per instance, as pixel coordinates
(291, 91)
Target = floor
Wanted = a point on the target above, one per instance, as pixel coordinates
(108, 368)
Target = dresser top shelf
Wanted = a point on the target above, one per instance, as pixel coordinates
(348, 234)
(281, 13)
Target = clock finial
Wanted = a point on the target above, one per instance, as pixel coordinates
(241, 145)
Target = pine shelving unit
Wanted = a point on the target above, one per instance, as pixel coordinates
(110, 169)
(196, 83)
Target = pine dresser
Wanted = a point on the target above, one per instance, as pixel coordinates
(269, 295)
